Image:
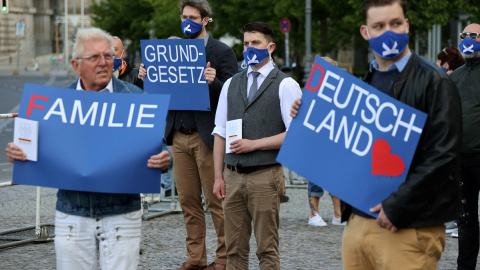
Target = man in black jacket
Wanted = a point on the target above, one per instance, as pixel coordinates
(122, 69)
(467, 80)
(409, 232)
(189, 133)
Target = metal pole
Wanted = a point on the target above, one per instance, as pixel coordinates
(287, 52)
(38, 229)
(18, 52)
(65, 39)
(308, 41)
(82, 13)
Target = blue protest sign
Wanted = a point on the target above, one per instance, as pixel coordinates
(91, 141)
(176, 67)
(350, 138)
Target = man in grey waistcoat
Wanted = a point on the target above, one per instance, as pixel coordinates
(251, 180)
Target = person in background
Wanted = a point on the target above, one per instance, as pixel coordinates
(122, 69)
(315, 193)
(467, 79)
(449, 59)
(87, 223)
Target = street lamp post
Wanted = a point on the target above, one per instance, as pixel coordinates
(308, 39)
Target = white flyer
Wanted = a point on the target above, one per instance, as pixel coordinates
(234, 132)
(25, 135)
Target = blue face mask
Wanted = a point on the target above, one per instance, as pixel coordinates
(389, 45)
(253, 56)
(443, 68)
(190, 27)
(117, 62)
(469, 46)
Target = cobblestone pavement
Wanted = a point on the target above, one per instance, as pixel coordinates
(301, 246)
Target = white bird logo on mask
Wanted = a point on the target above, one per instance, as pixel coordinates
(468, 49)
(253, 60)
(388, 51)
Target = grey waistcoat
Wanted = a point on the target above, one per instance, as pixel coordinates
(261, 118)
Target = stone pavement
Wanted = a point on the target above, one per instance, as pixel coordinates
(301, 246)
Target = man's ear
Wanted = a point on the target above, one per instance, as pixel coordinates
(205, 21)
(363, 32)
(272, 47)
(76, 65)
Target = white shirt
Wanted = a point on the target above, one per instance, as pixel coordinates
(109, 86)
(288, 91)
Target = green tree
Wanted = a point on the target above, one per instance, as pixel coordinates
(124, 18)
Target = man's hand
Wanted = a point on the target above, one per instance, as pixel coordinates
(295, 106)
(242, 146)
(219, 188)
(13, 152)
(209, 74)
(382, 219)
(159, 161)
(142, 72)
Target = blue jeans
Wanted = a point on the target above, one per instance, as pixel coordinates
(314, 190)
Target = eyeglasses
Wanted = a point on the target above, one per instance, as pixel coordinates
(470, 35)
(96, 57)
(193, 18)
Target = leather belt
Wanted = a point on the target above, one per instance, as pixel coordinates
(249, 169)
(187, 131)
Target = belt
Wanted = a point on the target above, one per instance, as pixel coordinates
(187, 131)
(249, 169)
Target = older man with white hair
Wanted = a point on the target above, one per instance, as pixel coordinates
(87, 222)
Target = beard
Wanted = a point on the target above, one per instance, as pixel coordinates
(470, 56)
(194, 36)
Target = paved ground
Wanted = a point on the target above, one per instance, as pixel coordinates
(301, 246)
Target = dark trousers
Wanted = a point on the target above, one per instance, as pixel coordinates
(468, 228)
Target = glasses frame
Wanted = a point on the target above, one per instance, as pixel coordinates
(193, 18)
(464, 35)
(96, 57)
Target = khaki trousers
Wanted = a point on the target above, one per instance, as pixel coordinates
(367, 246)
(193, 168)
(253, 197)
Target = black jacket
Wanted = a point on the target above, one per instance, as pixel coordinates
(431, 194)
(130, 75)
(223, 60)
(467, 79)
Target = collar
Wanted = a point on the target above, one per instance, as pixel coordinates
(265, 70)
(109, 86)
(123, 66)
(205, 39)
(399, 65)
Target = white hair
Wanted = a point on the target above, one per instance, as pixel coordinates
(87, 34)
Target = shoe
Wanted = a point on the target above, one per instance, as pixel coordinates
(284, 199)
(455, 233)
(168, 192)
(338, 221)
(316, 220)
(450, 228)
(188, 266)
(216, 266)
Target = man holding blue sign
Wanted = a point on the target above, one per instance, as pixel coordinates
(409, 232)
(189, 133)
(87, 222)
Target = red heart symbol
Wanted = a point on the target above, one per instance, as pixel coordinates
(384, 162)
